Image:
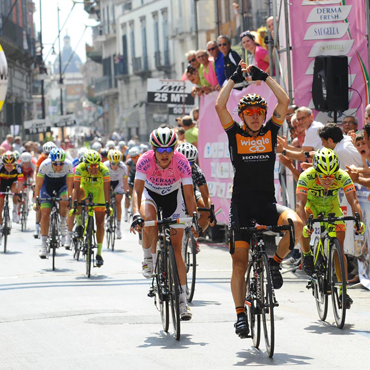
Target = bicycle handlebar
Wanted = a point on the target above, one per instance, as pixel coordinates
(332, 219)
(169, 221)
(211, 211)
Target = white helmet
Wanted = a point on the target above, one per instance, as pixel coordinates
(143, 148)
(46, 148)
(110, 144)
(121, 144)
(131, 143)
(26, 157)
(96, 146)
(134, 151)
(81, 152)
(189, 151)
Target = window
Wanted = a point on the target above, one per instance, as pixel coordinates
(132, 40)
(165, 38)
(144, 43)
(156, 32)
(24, 15)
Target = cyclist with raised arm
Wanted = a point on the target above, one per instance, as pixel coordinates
(252, 146)
(92, 176)
(55, 175)
(201, 191)
(11, 176)
(118, 182)
(317, 192)
(160, 172)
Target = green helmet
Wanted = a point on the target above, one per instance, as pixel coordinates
(92, 157)
(326, 161)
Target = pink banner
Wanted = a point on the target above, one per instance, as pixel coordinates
(330, 27)
(213, 148)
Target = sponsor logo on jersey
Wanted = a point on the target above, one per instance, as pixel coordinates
(251, 145)
(256, 158)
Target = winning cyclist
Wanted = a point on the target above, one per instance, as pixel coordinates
(92, 176)
(252, 147)
(159, 175)
(118, 182)
(201, 191)
(11, 176)
(55, 174)
(317, 192)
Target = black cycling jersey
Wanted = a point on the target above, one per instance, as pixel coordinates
(131, 175)
(253, 159)
(197, 176)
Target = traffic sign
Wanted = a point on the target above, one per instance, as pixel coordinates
(64, 121)
(37, 126)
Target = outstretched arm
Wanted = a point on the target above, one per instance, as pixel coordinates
(222, 99)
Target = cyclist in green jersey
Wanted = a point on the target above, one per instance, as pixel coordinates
(91, 176)
(317, 192)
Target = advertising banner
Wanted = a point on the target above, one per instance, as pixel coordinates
(213, 148)
(330, 27)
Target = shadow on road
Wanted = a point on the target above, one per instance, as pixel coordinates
(323, 327)
(11, 252)
(167, 341)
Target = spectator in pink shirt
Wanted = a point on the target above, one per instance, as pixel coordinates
(206, 68)
(7, 143)
(261, 56)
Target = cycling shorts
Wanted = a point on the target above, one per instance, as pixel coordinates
(264, 210)
(315, 210)
(117, 187)
(47, 192)
(98, 195)
(4, 184)
(172, 204)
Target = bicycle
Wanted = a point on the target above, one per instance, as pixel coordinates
(329, 276)
(166, 287)
(111, 223)
(7, 224)
(89, 240)
(260, 297)
(76, 239)
(53, 242)
(190, 255)
(24, 210)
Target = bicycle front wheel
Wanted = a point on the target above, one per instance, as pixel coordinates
(252, 302)
(161, 290)
(113, 227)
(190, 259)
(6, 227)
(268, 304)
(88, 246)
(108, 232)
(319, 280)
(174, 292)
(53, 238)
(338, 283)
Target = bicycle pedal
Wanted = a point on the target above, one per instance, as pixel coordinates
(151, 294)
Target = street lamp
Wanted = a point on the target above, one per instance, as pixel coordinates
(60, 75)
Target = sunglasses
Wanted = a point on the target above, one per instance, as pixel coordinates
(223, 44)
(191, 163)
(92, 165)
(58, 163)
(162, 150)
(211, 49)
(192, 60)
(253, 111)
(203, 56)
(115, 163)
(326, 177)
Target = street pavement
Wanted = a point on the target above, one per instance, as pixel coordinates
(62, 320)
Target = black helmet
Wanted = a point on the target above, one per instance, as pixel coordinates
(251, 100)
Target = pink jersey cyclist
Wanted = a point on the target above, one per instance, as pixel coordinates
(163, 186)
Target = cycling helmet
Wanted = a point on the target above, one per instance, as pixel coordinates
(110, 144)
(251, 100)
(121, 144)
(47, 147)
(96, 146)
(57, 155)
(134, 152)
(326, 161)
(81, 152)
(92, 157)
(104, 152)
(8, 157)
(26, 157)
(114, 156)
(16, 155)
(163, 138)
(189, 151)
(131, 143)
(143, 148)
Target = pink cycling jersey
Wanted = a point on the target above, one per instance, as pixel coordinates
(163, 181)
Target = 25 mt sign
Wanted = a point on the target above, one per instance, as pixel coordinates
(166, 97)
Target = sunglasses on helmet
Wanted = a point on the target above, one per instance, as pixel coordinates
(162, 150)
(253, 111)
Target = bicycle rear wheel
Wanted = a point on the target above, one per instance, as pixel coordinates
(161, 289)
(88, 247)
(174, 292)
(337, 276)
(190, 259)
(319, 284)
(268, 304)
(109, 232)
(253, 305)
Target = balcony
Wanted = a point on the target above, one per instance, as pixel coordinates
(104, 32)
(140, 67)
(121, 70)
(105, 86)
(162, 62)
